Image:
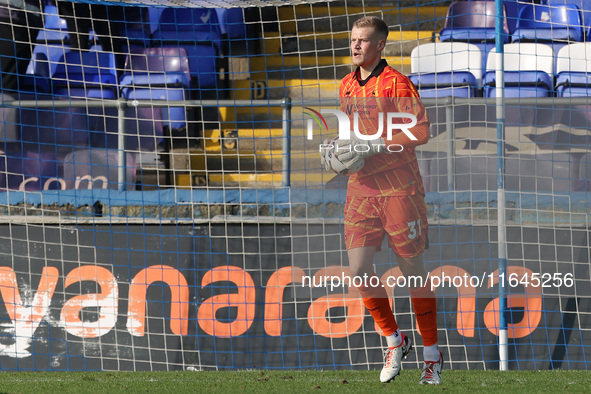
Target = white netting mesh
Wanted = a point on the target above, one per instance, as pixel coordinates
(162, 195)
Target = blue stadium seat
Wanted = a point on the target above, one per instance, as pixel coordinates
(192, 24)
(573, 63)
(198, 31)
(52, 52)
(138, 25)
(446, 69)
(529, 71)
(38, 75)
(88, 74)
(97, 169)
(473, 22)
(233, 23)
(512, 8)
(555, 25)
(52, 40)
(55, 28)
(155, 74)
(584, 7)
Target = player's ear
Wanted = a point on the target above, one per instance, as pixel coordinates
(381, 45)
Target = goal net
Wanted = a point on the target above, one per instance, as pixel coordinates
(164, 207)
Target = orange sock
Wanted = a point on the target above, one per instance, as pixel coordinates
(425, 307)
(377, 303)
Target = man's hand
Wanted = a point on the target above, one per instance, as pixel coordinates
(351, 151)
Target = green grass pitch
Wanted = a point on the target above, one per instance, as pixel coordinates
(290, 381)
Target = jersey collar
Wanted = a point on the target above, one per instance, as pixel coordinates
(375, 73)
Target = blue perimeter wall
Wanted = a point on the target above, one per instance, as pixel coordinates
(532, 208)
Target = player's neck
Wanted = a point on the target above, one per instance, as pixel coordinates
(365, 71)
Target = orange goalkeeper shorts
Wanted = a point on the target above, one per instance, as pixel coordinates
(402, 218)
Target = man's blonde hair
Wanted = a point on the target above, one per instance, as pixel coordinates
(378, 25)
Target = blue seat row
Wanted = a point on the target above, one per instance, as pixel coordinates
(531, 70)
(149, 74)
(447, 69)
(51, 45)
(474, 20)
(572, 71)
(200, 31)
(554, 22)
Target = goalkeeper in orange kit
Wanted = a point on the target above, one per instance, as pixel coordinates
(386, 197)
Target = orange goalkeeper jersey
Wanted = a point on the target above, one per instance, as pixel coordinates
(385, 90)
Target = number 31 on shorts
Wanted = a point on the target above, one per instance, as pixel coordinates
(414, 226)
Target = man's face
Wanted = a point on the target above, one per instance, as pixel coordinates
(366, 46)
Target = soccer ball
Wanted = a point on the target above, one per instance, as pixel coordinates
(336, 165)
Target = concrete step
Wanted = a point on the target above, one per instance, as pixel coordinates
(227, 140)
(264, 63)
(254, 180)
(244, 168)
(277, 89)
(268, 139)
(216, 158)
(309, 70)
(272, 138)
(337, 44)
(338, 17)
(311, 67)
(243, 180)
(212, 160)
(312, 178)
